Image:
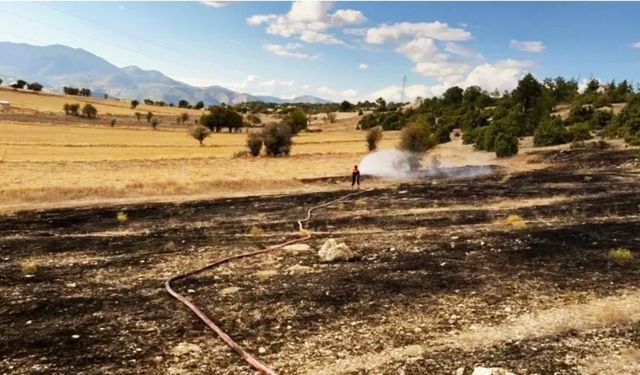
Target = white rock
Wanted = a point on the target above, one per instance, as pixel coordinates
(297, 247)
(229, 290)
(265, 274)
(185, 348)
(491, 371)
(75, 336)
(262, 350)
(332, 251)
(191, 290)
(299, 269)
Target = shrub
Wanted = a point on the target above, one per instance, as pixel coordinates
(254, 143)
(550, 132)
(154, 123)
(580, 132)
(134, 104)
(331, 117)
(506, 145)
(122, 217)
(138, 116)
(34, 86)
(221, 116)
(621, 255)
(89, 111)
(113, 122)
(200, 133)
(296, 120)
(277, 139)
(149, 116)
(416, 138)
(374, 135)
(184, 117)
(601, 119)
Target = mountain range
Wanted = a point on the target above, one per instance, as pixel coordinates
(56, 66)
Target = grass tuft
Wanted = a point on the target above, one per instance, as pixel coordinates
(28, 267)
(516, 222)
(621, 255)
(256, 231)
(122, 217)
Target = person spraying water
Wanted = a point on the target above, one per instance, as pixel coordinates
(355, 177)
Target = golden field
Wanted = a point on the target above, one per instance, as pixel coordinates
(49, 102)
(46, 164)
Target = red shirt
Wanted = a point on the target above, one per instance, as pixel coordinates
(355, 170)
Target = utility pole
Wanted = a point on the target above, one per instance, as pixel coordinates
(404, 86)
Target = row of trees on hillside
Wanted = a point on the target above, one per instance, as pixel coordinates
(21, 84)
(494, 122)
(73, 109)
(76, 91)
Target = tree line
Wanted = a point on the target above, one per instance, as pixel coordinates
(494, 122)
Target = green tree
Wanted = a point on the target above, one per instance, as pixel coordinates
(551, 132)
(183, 104)
(345, 106)
(34, 86)
(254, 143)
(296, 120)
(89, 111)
(184, 117)
(253, 119)
(382, 105)
(592, 86)
(506, 145)
(154, 123)
(149, 116)
(416, 138)
(134, 103)
(453, 96)
(200, 133)
(113, 122)
(199, 105)
(528, 92)
(221, 116)
(20, 84)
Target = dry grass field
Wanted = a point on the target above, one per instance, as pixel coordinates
(49, 102)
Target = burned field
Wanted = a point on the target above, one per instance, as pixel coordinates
(502, 271)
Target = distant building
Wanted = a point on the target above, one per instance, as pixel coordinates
(4, 105)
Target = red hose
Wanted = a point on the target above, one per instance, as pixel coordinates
(251, 360)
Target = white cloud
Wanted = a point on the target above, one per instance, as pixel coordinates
(215, 4)
(433, 30)
(444, 69)
(501, 75)
(635, 45)
(527, 46)
(350, 93)
(363, 66)
(309, 21)
(324, 90)
(288, 50)
(419, 49)
(394, 92)
(461, 50)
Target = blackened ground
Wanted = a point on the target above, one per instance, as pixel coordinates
(83, 293)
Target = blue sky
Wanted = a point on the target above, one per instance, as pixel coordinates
(343, 50)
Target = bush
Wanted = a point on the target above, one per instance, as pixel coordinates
(254, 143)
(154, 123)
(601, 119)
(277, 139)
(580, 132)
(149, 116)
(134, 104)
(374, 135)
(506, 145)
(296, 120)
(89, 111)
(200, 133)
(113, 122)
(416, 138)
(551, 132)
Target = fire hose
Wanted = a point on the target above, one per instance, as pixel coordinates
(251, 360)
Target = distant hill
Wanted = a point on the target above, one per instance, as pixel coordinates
(56, 66)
